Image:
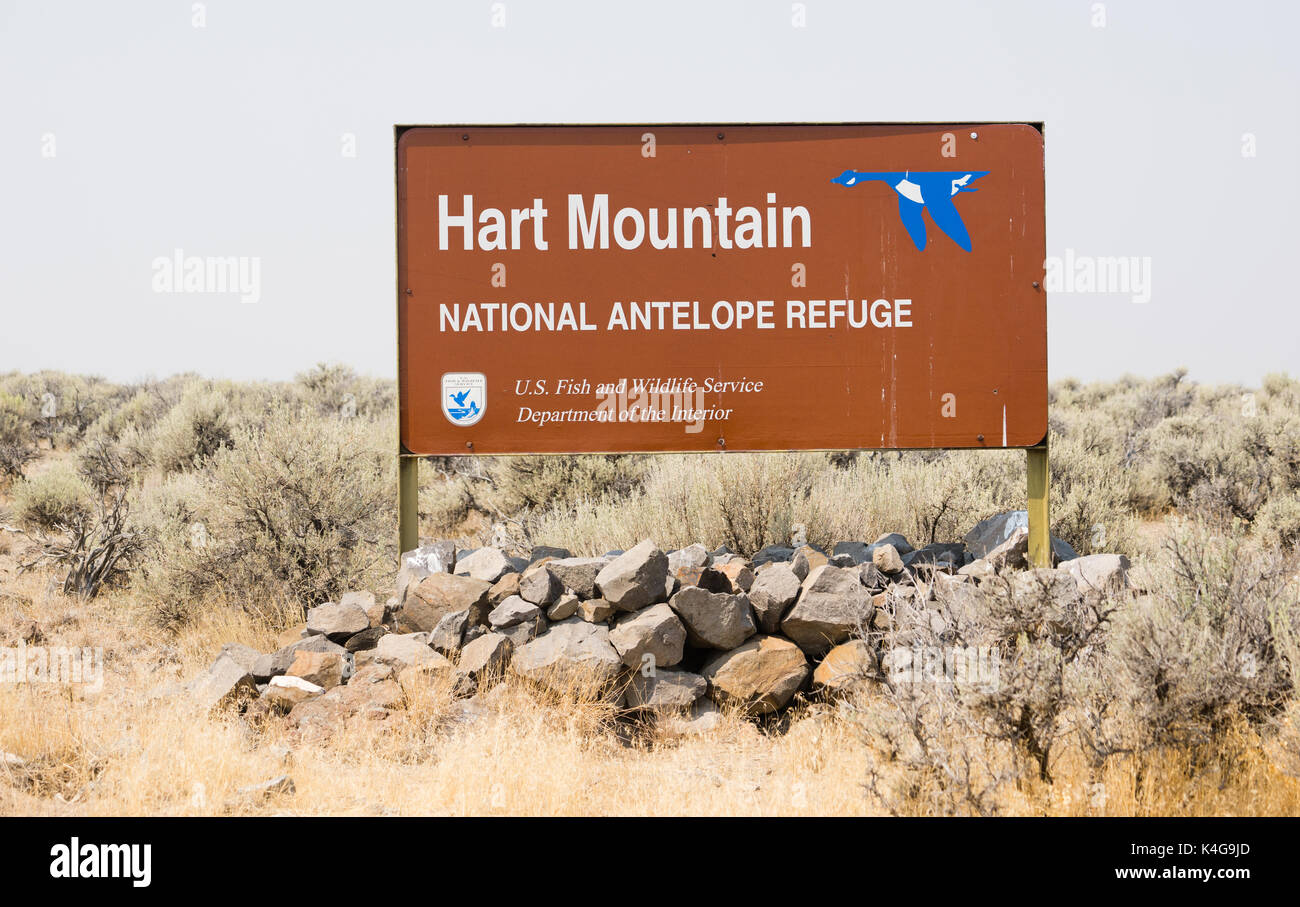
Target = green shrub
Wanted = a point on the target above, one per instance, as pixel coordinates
(302, 507)
(1202, 647)
(196, 428)
(56, 498)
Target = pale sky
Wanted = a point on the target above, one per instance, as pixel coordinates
(127, 132)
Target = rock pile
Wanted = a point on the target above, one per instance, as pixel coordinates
(675, 633)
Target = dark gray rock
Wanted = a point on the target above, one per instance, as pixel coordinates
(714, 620)
(578, 574)
(655, 631)
(540, 552)
(635, 578)
(832, 606)
(774, 591)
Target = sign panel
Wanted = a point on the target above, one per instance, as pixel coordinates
(579, 289)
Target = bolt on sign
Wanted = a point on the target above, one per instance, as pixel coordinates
(573, 289)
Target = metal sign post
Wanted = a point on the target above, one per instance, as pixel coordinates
(1040, 540)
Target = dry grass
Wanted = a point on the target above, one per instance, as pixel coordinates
(124, 752)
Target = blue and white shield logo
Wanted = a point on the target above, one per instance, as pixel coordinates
(464, 397)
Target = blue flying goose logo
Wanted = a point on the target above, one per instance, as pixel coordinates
(462, 410)
(919, 192)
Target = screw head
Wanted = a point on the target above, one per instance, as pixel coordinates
(721, 136)
(975, 135)
(979, 438)
(1035, 285)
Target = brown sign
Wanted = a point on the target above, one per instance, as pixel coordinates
(672, 288)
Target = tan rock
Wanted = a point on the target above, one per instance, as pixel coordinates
(844, 667)
(761, 676)
(324, 669)
(504, 588)
(887, 560)
(440, 594)
(595, 610)
(565, 606)
(739, 576)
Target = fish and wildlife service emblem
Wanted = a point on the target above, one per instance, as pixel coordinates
(464, 397)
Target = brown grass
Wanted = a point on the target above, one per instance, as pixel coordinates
(513, 751)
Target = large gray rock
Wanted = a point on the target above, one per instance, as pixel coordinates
(487, 564)
(772, 554)
(337, 622)
(896, 539)
(714, 620)
(1099, 573)
(760, 676)
(540, 586)
(440, 594)
(997, 530)
(224, 683)
(375, 610)
(832, 605)
(525, 631)
(578, 574)
(635, 578)
(692, 556)
(439, 557)
(245, 656)
(665, 691)
(772, 594)
(541, 552)
(573, 657)
(486, 657)
(514, 610)
(402, 649)
(1013, 554)
(449, 635)
(859, 552)
(655, 632)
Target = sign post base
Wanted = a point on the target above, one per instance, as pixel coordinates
(408, 494)
(1040, 540)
